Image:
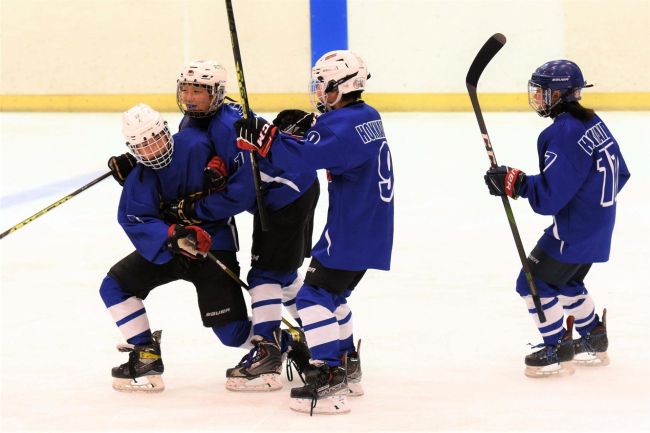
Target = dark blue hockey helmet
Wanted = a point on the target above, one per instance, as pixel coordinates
(554, 82)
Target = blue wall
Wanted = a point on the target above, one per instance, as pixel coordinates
(329, 26)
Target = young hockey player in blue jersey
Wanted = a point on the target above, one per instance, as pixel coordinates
(277, 254)
(167, 168)
(348, 140)
(581, 172)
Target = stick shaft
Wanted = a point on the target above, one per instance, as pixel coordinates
(264, 218)
(53, 205)
(487, 52)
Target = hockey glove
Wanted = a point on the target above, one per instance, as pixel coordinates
(190, 241)
(179, 212)
(294, 122)
(255, 134)
(215, 175)
(503, 180)
(121, 166)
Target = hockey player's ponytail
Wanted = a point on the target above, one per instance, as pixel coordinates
(578, 111)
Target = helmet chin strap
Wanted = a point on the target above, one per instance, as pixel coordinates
(338, 99)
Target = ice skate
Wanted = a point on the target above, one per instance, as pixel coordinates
(259, 370)
(353, 369)
(142, 373)
(553, 361)
(298, 353)
(325, 391)
(591, 350)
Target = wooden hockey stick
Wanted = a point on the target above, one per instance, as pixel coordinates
(484, 56)
(261, 208)
(55, 204)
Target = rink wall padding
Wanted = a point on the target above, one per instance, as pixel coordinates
(270, 102)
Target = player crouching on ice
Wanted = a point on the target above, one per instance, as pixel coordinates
(582, 170)
(167, 167)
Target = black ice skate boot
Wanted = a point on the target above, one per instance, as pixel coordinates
(259, 369)
(298, 353)
(325, 391)
(143, 371)
(353, 369)
(553, 360)
(591, 350)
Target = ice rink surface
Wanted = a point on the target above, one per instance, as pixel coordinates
(444, 333)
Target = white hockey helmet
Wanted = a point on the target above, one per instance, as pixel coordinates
(340, 70)
(207, 74)
(147, 136)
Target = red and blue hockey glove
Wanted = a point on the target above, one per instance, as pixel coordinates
(215, 175)
(190, 241)
(255, 134)
(121, 166)
(503, 180)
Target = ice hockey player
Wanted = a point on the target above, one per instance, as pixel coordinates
(277, 254)
(167, 167)
(581, 172)
(348, 140)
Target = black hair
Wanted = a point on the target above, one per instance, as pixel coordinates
(352, 96)
(578, 111)
(573, 108)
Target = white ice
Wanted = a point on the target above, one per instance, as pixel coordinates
(444, 333)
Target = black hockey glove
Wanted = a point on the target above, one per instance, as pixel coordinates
(294, 122)
(179, 212)
(215, 175)
(503, 180)
(190, 241)
(255, 134)
(121, 166)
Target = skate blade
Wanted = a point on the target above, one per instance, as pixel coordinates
(591, 359)
(555, 370)
(332, 405)
(146, 384)
(262, 383)
(355, 389)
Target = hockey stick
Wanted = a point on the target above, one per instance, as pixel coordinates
(227, 270)
(55, 204)
(264, 218)
(239, 281)
(484, 56)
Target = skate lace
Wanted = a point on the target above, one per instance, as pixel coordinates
(291, 364)
(586, 345)
(253, 355)
(319, 382)
(550, 353)
(133, 358)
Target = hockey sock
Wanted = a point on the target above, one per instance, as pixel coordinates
(344, 318)
(553, 329)
(127, 311)
(266, 306)
(289, 294)
(582, 308)
(316, 308)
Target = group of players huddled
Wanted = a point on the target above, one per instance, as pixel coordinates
(181, 193)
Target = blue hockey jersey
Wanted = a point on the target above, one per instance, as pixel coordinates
(582, 171)
(351, 144)
(145, 189)
(280, 187)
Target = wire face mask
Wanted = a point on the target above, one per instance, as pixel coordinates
(155, 151)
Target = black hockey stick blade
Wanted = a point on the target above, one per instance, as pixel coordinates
(487, 52)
